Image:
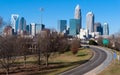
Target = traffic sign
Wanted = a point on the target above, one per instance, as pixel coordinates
(115, 55)
(105, 41)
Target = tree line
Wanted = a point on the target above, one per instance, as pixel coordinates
(46, 45)
(114, 41)
(43, 45)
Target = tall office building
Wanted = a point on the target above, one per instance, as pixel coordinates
(33, 29)
(28, 29)
(77, 15)
(90, 22)
(22, 25)
(77, 12)
(98, 28)
(105, 29)
(74, 27)
(62, 24)
(15, 22)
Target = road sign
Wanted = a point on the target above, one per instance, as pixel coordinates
(115, 55)
(105, 41)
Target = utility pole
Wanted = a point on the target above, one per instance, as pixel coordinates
(41, 10)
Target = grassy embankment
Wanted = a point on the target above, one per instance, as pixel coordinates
(113, 68)
(57, 64)
(68, 61)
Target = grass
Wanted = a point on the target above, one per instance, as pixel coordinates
(69, 61)
(57, 64)
(113, 68)
(30, 59)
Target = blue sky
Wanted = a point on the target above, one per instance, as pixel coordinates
(104, 11)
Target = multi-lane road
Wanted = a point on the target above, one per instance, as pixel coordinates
(99, 57)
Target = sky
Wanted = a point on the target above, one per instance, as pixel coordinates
(54, 10)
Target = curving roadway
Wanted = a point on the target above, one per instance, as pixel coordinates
(100, 55)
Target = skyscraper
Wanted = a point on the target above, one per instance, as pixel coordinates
(74, 27)
(28, 29)
(62, 24)
(90, 22)
(105, 29)
(22, 25)
(33, 29)
(98, 28)
(15, 22)
(77, 15)
(77, 12)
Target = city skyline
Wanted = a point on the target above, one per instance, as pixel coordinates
(104, 11)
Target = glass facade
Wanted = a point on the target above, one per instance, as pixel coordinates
(62, 24)
(98, 28)
(27, 28)
(22, 25)
(74, 27)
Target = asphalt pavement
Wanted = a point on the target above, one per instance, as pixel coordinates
(98, 58)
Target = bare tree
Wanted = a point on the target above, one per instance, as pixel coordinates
(49, 43)
(75, 44)
(63, 44)
(1, 24)
(45, 46)
(1, 21)
(99, 41)
(7, 53)
(38, 41)
(23, 47)
(116, 41)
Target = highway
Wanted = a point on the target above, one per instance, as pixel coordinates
(99, 57)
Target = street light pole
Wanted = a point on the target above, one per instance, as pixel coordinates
(41, 10)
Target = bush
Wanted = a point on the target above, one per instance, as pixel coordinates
(75, 44)
(92, 42)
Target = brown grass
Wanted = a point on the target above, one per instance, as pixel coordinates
(57, 64)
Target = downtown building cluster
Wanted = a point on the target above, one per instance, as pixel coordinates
(18, 26)
(93, 29)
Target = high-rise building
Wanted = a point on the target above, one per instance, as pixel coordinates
(98, 28)
(105, 29)
(77, 15)
(22, 25)
(75, 24)
(62, 24)
(28, 29)
(39, 27)
(74, 27)
(33, 29)
(90, 22)
(77, 12)
(15, 22)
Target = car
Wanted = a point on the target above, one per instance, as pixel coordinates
(86, 47)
